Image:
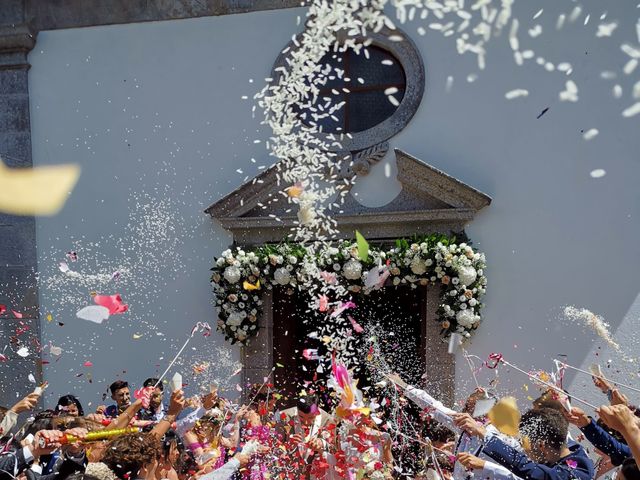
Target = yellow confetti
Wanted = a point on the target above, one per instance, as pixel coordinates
(49, 317)
(250, 286)
(36, 191)
(505, 416)
(326, 339)
(136, 336)
(279, 365)
(294, 191)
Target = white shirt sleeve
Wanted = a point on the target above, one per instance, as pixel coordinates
(493, 471)
(224, 472)
(8, 422)
(185, 424)
(441, 413)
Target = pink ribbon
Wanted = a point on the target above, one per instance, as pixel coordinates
(493, 360)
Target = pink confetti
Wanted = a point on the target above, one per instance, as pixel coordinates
(323, 303)
(355, 325)
(144, 394)
(16, 314)
(310, 354)
(3, 308)
(111, 302)
(88, 364)
(238, 388)
(329, 277)
(343, 306)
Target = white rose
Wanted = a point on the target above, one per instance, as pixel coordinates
(234, 320)
(465, 318)
(467, 275)
(455, 280)
(418, 266)
(282, 276)
(428, 262)
(232, 274)
(473, 302)
(292, 259)
(352, 270)
(220, 262)
(396, 281)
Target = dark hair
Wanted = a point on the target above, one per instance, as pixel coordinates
(153, 382)
(41, 421)
(629, 469)
(305, 404)
(545, 425)
(127, 454)
(81, 476)
(67, 400)
(117, 385)
(437, 432)
(549, 399)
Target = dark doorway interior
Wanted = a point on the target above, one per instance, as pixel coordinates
(398, 312)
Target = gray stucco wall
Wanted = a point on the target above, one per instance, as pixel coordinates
(153, 112)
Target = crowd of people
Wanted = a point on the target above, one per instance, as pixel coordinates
(207, 437)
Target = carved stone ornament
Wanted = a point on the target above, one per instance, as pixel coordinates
(430, 201)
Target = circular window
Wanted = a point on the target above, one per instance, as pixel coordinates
(383, 90)
(371, 89)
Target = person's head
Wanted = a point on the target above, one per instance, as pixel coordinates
(128, 454)
(544, 432)
(156, 396)
(308, 408)
(265, 398)
(628, 470)
(438, 433)
(70, 406)
(120, 393)
(470, 404)
(209, 425)
(41, 421)
(82, 476)
(549, 399)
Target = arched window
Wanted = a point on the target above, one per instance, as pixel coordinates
(384, 90)
(371, 87)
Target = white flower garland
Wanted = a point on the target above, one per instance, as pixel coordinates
(240, 277)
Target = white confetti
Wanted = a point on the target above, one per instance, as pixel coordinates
(617, 91)
(535, 31)
(31, 378)
(598, 173)
(630, 66)
(518, 92)
(391, 91)
(590, 134)
(449, 84)
(570, 94)
(23, 352)
(632, 111)
(606, 29)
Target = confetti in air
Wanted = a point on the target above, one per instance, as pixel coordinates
(594, 322)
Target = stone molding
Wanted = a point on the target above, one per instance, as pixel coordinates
(18, 258)
(50, 15)
(16, 41)
(430, 201)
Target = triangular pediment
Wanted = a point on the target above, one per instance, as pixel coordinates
(430, 201)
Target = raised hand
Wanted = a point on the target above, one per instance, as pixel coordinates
(465, 422)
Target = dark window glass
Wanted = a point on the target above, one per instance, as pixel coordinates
(366, 104)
